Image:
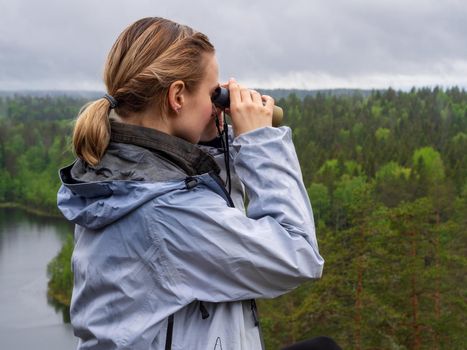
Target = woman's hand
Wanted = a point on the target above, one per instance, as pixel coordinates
(248, 109)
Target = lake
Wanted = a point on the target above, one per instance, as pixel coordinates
(27, 320)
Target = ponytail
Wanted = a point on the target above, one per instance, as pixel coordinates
(91, 134)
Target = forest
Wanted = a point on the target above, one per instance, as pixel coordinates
(386, 173)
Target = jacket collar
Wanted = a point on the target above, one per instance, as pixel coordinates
(184, 154)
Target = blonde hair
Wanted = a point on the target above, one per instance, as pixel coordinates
(146, 59)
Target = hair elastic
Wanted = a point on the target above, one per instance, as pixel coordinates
(113, 102)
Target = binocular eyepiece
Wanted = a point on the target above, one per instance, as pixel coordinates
(221, 99)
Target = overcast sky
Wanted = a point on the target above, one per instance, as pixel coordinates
(311, 44)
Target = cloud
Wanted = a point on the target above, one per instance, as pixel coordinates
(301, 43)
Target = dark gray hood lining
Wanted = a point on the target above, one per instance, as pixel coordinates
(141, 154)
(183, 154)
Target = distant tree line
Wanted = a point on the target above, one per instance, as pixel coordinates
(35, 136)
(386, 176)
(386, 173)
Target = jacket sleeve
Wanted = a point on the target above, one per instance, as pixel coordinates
(216, 253)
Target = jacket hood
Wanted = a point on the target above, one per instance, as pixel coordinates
(139, 165)
(95, 205)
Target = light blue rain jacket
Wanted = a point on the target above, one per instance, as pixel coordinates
(155, 237)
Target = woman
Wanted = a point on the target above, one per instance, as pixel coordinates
(163, 258)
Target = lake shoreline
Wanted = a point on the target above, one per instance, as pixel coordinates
(29, 318)
(34, 211)
(59, 298)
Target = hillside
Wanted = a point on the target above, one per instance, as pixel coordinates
(386, 173)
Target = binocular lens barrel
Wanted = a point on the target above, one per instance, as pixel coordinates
(221, 99)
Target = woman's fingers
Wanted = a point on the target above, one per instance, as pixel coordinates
(255, 95)
(268, 101)
(234, 92)
(249, 109)
(245, 94)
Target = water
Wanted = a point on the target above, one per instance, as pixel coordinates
(27, 320)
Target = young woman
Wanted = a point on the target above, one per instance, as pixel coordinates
(165, 257)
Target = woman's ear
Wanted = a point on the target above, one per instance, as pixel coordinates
(176, 95)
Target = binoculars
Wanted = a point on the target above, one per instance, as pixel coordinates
(221, 99)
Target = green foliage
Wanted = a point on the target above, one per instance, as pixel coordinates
(31, 108)
(428, 162)
(352, 168)
(392, 170)
(321, 202)
(382, 134)
(393, 184)
(30, 155)
(387, 182)
(60, 274)
(387, 178)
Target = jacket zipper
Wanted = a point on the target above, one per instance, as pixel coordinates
(254, 309)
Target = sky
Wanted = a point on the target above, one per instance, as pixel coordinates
(300, 44)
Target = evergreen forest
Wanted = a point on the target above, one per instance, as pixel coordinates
(386, 173)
